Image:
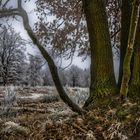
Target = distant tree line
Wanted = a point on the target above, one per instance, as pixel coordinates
(37, 73)
(19, 68)
(73, 77)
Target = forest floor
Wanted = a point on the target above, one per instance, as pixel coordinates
(39, 114)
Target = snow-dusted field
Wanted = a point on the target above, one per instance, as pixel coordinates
(38, 113)
(17, 98)
(78, 95)
(22, 107)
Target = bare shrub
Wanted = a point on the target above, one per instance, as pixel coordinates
(14, 128)
(116, 130)
(9, 99)
(78, 95)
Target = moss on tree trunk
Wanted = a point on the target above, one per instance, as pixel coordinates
(129, 51)
(134, 88)
(102, 72)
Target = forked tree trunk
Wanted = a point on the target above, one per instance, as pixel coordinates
(129, 51)
(102, 72)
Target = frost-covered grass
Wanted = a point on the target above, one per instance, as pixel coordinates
(77, 94)
(14, 128)
(18, 95)
(13, 97)
(49, 118)
(9, 96)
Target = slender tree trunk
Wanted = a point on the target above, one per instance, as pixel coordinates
(125, 24)
(129, 51)
(102, 72)
(134, 88)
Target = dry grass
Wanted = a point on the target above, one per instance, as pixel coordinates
(37, 119)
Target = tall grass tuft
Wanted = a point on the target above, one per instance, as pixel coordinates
(9, 99)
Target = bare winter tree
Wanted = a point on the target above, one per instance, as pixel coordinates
(34, 70)
(72, 76)
(12, 57)
(47, 78)
(77, 77)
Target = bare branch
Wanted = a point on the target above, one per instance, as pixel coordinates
(19, 4)
(0, 2)
(4, 5)
(116, 33)
(8, 12)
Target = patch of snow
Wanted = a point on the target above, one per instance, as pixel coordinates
(11, 124)
(32, 96)
(36, 95)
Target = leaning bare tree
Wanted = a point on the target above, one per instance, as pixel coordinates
(19, 11)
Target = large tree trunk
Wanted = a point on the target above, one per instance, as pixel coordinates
(129, 51)
(134, 88)
(125, 24)
(102, 72)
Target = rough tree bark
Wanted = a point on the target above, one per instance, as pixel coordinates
(102, 72)
(129, 51)
(21, 12)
